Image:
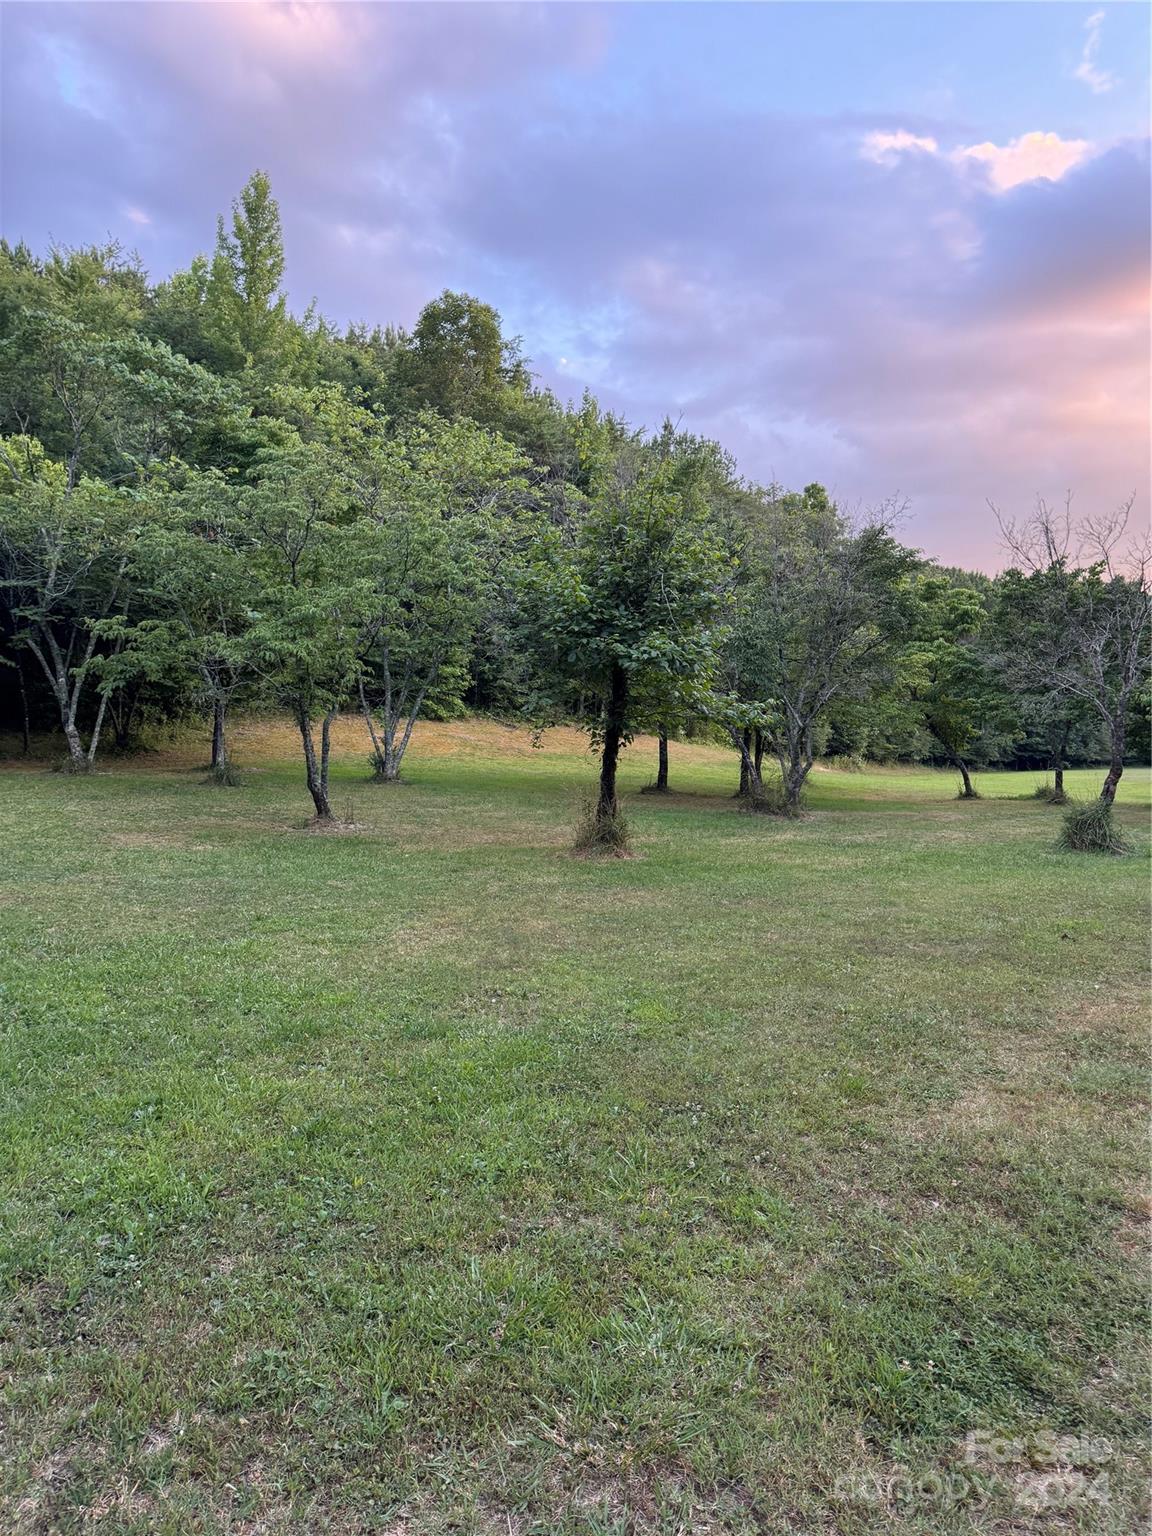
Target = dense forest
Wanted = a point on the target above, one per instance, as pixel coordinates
(209, 504)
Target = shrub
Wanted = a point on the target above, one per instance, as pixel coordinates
(1092, 828)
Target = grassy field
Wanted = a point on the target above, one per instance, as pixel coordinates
(427, 1179)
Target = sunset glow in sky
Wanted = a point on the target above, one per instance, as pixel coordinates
(896, 248)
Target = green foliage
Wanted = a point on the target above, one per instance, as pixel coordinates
(948, 675)
(457, 361)
(634, 586)
(247, 313)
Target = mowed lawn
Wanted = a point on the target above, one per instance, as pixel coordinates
(426, 1179)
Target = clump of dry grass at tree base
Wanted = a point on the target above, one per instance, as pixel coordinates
(1092, 828)
(602, 835)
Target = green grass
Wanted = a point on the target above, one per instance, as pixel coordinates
(428, 1179)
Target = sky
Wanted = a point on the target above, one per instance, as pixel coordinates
(901, 249)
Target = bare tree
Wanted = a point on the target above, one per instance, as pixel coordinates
(1087, 582)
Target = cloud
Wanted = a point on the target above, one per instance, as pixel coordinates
(1096, 79)
(886, 147)
(1031, 157)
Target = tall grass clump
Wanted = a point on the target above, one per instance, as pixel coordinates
(603, 834)
(1049, 794)
(1092, 828)
(770, 798)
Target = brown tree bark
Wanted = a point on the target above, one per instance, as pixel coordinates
(1058, 759)
(1115, 763)
(751, 783)
(615, 711)
(316, 769)
(219, 743)
(747, 775)
(662, 761)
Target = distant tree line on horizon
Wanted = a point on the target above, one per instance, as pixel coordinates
(209, 504)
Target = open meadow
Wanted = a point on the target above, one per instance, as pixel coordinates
(424, 1178)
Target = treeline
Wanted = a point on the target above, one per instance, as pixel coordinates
(208, 503)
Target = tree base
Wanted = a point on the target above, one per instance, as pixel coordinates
(602, 835)
(381, 774)
(655, 789)
(72, 765)
(1049, 795)
(222, 776)
(771, 800)
(333, 826)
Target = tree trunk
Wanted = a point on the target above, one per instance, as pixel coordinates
(316, 771)
(27, 734)
(94, 739)
(795, 778)
(54, 665)
(661, 784)
(1115, 764)
(758, 756)
(607, 806)
(75, 746)
(1058, 758)
(747, 775)
(219, 743)
(967, 789)
(751, 782)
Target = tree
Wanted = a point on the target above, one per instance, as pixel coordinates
(432, 502)
(1054, 725)
(194, 574)
(247, 311)
(626, 607)
(948, 678)
(457, 361)
(314, 598)
(819, 611)
(1085, 587)
(65, 325)
(64, 554)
